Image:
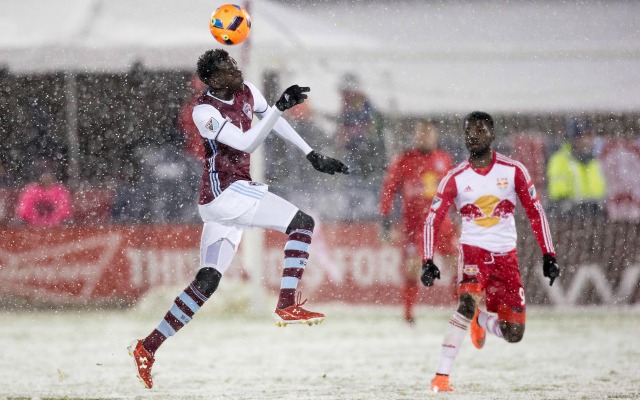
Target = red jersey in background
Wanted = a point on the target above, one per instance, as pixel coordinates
(415, 175)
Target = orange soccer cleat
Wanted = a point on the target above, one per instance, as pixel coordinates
(440, 383)
(477, 333)
(295, 314)
(143, 360)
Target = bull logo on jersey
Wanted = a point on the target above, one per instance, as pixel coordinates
(502, 183)
(429, 184)
(487, 211)
(470, 269)
(246, 108)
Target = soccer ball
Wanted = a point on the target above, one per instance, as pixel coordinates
(230, 24)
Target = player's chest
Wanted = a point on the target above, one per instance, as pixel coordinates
(240, 113)
(498, 183)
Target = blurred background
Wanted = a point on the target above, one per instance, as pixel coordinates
(96, 96)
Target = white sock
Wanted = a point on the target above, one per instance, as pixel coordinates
(490, 323)
(456, 331)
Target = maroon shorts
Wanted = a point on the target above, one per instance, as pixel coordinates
(497, 276)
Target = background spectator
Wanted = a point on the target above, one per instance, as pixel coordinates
(45, 202)
(576, 183)
(359, 129)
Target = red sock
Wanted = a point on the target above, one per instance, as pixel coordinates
(409, 296)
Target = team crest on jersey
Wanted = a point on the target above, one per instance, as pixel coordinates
(246, 108)
(502, 183)
(212, 125)
(470, 269)
(435, 204)
(532, 192)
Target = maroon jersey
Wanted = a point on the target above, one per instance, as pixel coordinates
(223, 164)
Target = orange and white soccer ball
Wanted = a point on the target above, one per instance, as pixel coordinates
(230, 24)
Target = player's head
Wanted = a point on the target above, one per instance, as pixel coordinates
(425, 135)
(478, 132)
(219, 70)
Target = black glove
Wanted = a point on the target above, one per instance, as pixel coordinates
(550, 268)
(430, 272)
(326, 164)
(292, 96)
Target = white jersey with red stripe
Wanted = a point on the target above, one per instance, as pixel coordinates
(486, 200)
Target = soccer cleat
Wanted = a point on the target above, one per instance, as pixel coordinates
(440, 383)
(143, 361)
(295, 314)
(477, 333)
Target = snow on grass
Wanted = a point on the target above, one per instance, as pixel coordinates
(358, 353)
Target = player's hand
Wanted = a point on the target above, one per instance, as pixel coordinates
(291, 97)
(550, 268)
(430, 273)
(385, 229)
(326, 164)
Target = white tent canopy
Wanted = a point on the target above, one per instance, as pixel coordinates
(414, 57)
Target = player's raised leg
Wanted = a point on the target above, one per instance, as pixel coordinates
(296, 256)
(188, 302)
(274, 212)
(477, 332)
(216, 254)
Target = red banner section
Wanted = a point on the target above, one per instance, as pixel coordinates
(118, 264)
(600, 264)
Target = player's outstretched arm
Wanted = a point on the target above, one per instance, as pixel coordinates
(550, 268)
(326, 164)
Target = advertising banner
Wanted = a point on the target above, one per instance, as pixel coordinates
(117, 265)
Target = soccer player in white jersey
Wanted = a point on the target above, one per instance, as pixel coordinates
(484, 190)
(230, 201)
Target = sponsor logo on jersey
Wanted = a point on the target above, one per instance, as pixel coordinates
(502, 183)
(429, 184)
(212, 125)
(470, 269)
(487, 211)
(246, 108)
(436, 203)
(532, 192)
(256, 183)
(468, 189)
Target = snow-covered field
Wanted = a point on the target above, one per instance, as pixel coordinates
(358, 353)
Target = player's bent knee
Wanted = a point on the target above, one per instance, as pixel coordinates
(467, 305)
(301, 221)
(512, 332)
(207, 280)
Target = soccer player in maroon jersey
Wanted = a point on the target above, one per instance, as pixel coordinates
(484, 189)
(415, 174)
(230, 201)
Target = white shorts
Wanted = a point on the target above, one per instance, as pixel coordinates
(242, 204)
